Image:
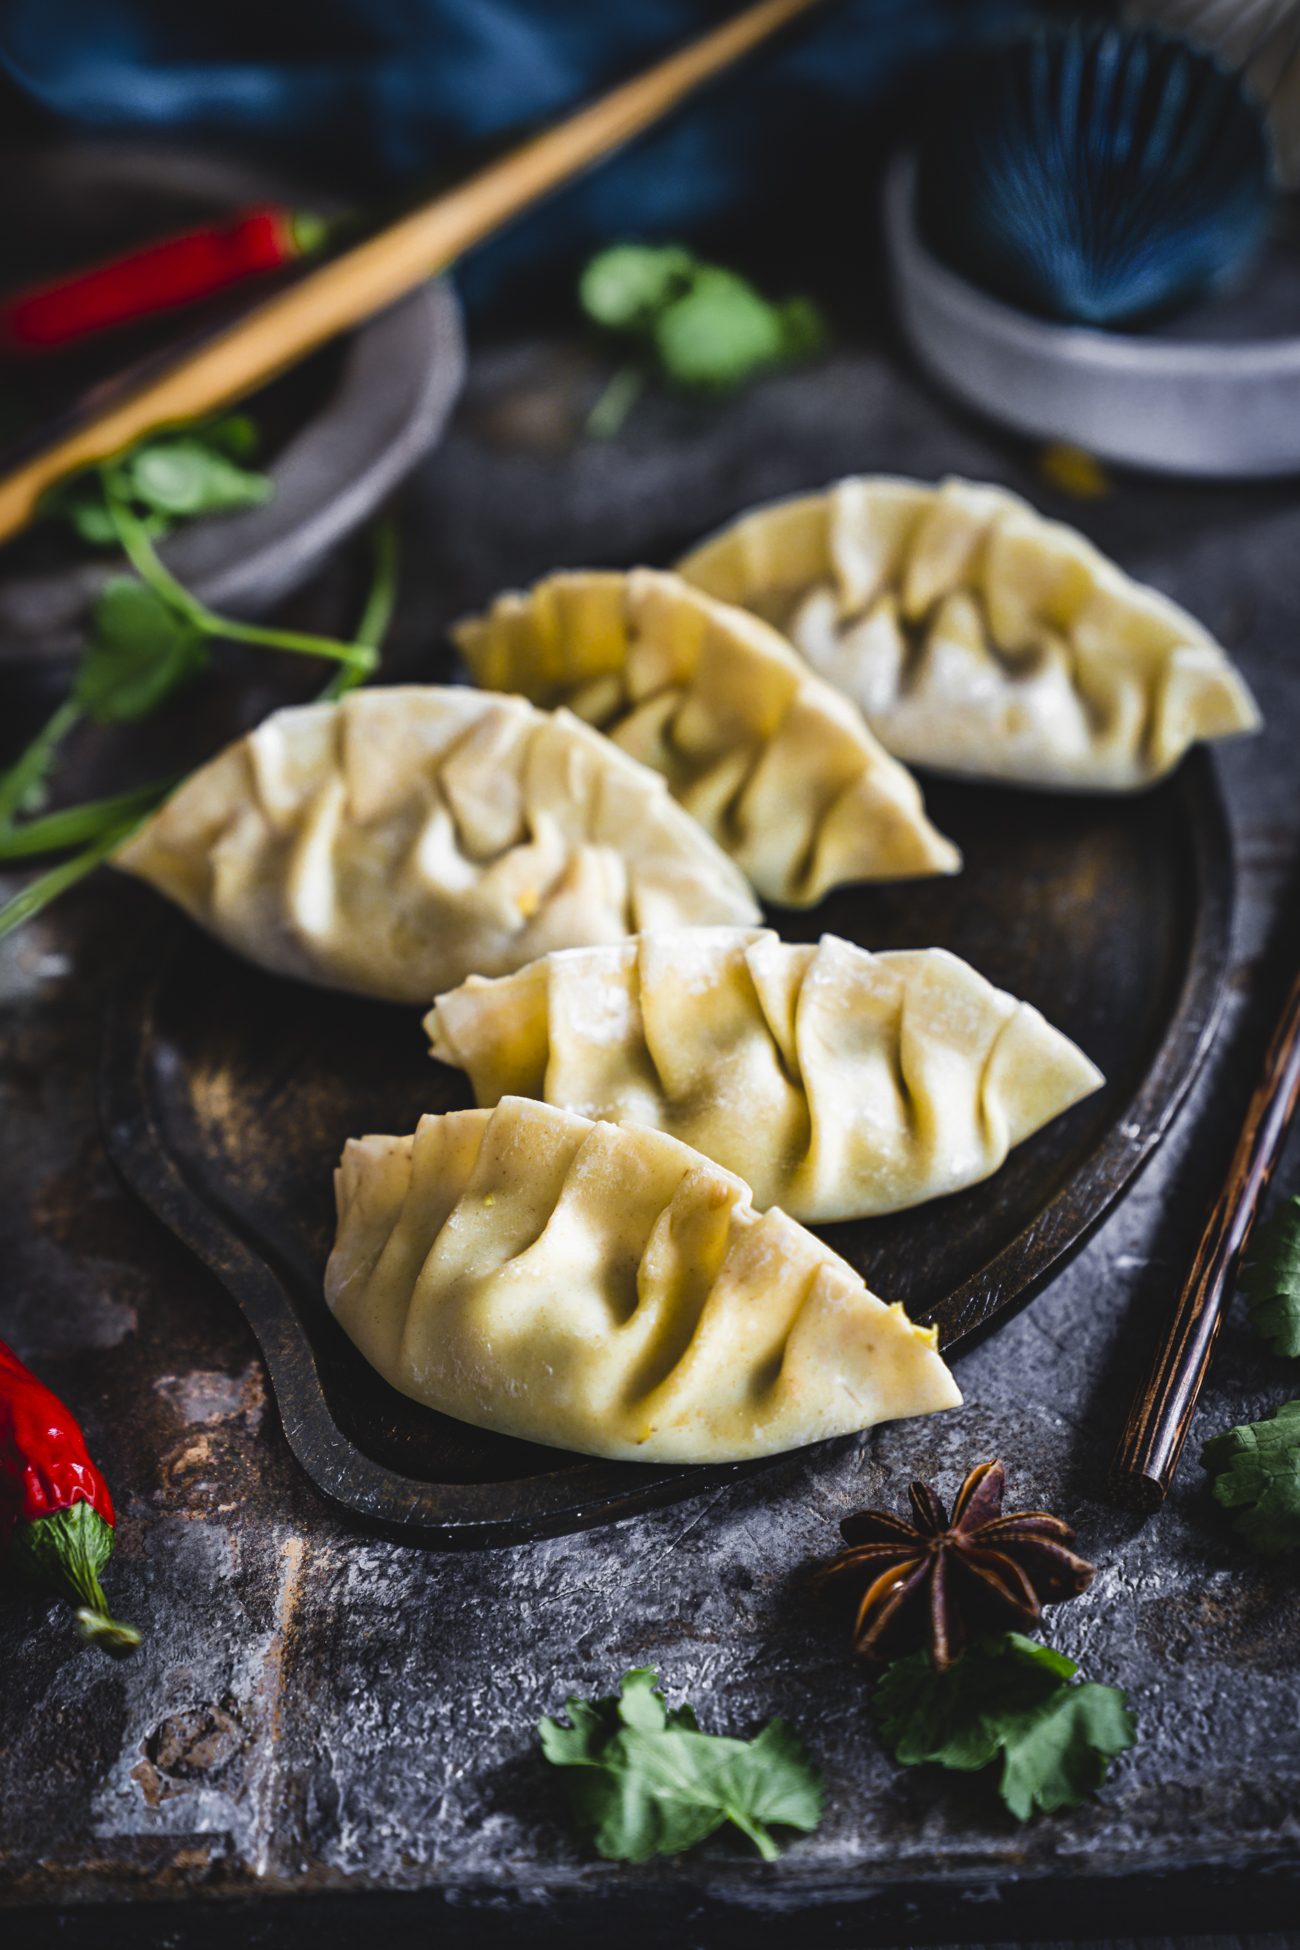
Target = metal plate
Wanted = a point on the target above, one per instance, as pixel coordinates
(227, 1096)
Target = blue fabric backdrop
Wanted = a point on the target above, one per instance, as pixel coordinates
(376, 90)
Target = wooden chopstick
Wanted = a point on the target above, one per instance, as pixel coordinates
(374, 273)
(1161, 1414)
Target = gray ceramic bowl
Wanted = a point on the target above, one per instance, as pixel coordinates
(380, 403)
(1215, 395)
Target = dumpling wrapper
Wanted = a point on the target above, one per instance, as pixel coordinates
(779, 767)
(838, 1084)
(401, 839)
(978, 637)
(605, 1288)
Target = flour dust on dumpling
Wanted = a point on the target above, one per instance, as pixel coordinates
(604, 1288)
(838, 1084)
(401, 839)
(778, 766)
(978, 637)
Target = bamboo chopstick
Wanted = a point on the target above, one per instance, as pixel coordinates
(383, 268)
(1161, 1414)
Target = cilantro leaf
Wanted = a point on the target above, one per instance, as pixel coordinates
(165, 479)
(648, 1782)
(186, 476)
(234, 434)
(1271, 1282)
(704, 328)
(81, 504)
(79, 500)
(623, 287)
(139, 652)
(719, 334)
(722, 333)
(1061, 1756)
(1256, 1471)
(1010, 1697)
(803, 329)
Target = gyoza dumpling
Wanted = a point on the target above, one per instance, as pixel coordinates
(978, 637)
(779, 767)
(400, 840)
(604, 1288)
(838, 1084)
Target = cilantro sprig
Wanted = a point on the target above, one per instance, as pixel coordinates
(698, 326)
(1271, 1281)
(1256, 1472)
(149, 637)
(646, 1781)
(1255, 1467)
(1008, 1702)
(167, 479)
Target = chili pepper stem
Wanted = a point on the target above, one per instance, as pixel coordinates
(66, 1551)
(307, 232)
(109, 1634)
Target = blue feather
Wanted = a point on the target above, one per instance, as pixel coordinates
(1096, 174)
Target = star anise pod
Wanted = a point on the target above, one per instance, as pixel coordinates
(941, 1579)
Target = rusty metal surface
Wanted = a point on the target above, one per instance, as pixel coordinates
(316, 1711)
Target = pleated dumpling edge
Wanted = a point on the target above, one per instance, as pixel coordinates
(605, 1289)
(779, 767)
(397, 840)
(977, 636)
(837, 1082)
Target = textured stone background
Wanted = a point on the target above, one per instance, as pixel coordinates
(318, 1711)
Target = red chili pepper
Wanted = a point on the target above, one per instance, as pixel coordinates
(159, 277)
(56, 1515)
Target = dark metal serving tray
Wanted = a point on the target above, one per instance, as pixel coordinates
(227, 1095)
